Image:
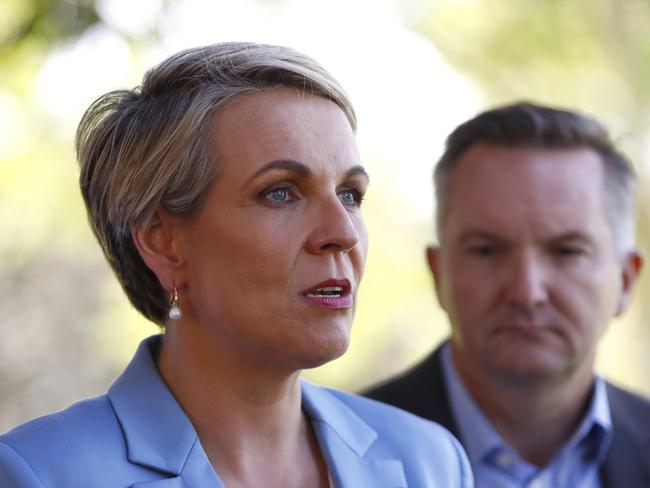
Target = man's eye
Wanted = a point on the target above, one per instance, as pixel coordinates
(351, 197)
(482, 251)
(568, 251)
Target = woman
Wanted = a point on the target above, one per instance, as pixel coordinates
(226, 194)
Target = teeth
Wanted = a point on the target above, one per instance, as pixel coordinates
(327, 291)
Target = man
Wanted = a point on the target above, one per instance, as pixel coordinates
(536, 254)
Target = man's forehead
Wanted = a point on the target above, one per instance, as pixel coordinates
(518, 189)
(488, 153)
(521, 170)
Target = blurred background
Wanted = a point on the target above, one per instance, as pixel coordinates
(414, 69)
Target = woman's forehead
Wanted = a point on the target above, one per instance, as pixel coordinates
(283, 124)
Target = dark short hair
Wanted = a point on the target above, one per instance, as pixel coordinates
(526, 124)
(149, 147)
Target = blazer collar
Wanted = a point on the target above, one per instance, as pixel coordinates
(158, 433)
(345, 440)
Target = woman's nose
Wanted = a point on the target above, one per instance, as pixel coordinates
(334, 229)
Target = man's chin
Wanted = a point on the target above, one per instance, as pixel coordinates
(519, 362)
(531, 367)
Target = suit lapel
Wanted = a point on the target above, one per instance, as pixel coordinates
(157, 432)
(349, 470)
(345, 441)
(437, 400)
(175, 482)
(421, 390)
(628, 458)
(159, 436)
(196, 472)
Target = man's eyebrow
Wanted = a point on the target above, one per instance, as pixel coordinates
(479, 234)
(574, 235)
(300, 169)
(471, 234)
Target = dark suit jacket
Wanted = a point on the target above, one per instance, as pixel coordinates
(422, 391)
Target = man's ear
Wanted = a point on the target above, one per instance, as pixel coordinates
(631, 268)
(433, 259)
(159, 249)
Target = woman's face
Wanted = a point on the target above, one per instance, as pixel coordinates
(275, 255)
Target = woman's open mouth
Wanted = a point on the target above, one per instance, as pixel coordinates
(332, 293)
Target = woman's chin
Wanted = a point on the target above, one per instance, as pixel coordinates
(325, 350)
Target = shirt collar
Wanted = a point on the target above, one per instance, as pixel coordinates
(596, 426)
(480, 439)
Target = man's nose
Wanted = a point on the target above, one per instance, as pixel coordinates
(527, 280)
(333, 229)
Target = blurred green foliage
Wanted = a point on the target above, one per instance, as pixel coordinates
(30, 28)
(43, 21)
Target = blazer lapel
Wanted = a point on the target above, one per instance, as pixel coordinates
(159, 436)
(157, 432)
(345, 440)
(196, 472)
(175, 482)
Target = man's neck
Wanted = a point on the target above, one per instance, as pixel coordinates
(534, 417)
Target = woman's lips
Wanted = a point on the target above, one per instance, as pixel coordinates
(332, 293)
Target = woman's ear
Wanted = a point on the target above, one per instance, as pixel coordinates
(158, 247)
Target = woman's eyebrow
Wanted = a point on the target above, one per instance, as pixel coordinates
(302, 170)
(357, 170)
(285, 164)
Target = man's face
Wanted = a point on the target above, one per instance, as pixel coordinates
(527, 268)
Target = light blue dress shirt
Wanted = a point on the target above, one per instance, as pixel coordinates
(497, 465)
(138, 436)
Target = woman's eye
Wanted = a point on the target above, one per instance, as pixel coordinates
(278, 195)
(351, 197)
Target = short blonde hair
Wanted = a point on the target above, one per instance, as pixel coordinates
(150, 147)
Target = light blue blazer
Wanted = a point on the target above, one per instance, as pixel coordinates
(138, 436)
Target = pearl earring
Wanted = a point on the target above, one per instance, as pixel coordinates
(175, 311)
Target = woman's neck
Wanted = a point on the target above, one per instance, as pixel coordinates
(247, 414)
